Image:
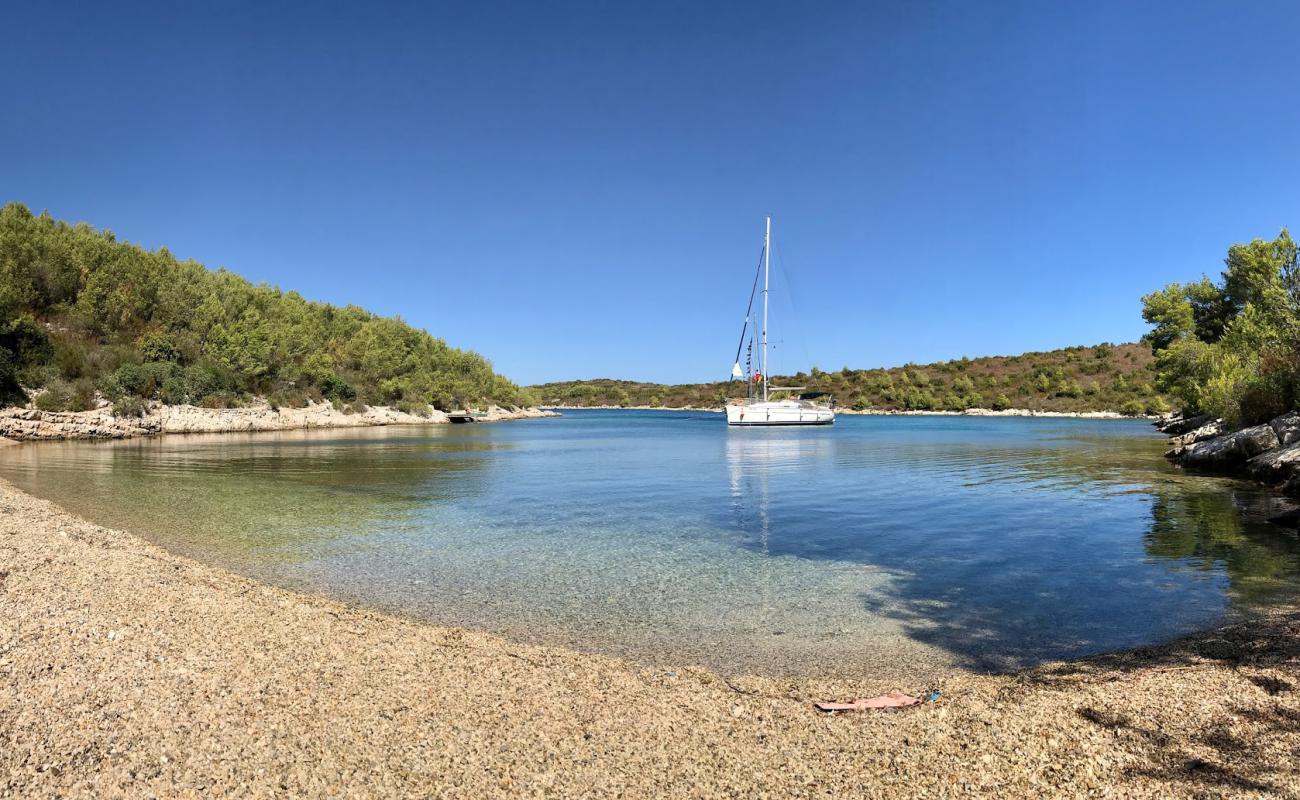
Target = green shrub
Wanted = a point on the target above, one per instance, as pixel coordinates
(414, 407)
(1001, 403)
(1264, 397)
(70, 358)
(130, 378)
(11, 392)
(1070, 389)
(34, 376)
(158, 346)
(83, 394)
(1132, 408)
(176, 391)
(129, 407)
(915, 400)
(335, 388)
(61, 395)
(26, 341)
(205, 379)
(1157, 406)
(288, 398)
(56, 397)
(220, 400)
(24, 345)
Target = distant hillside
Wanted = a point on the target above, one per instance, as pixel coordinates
(1102, 378)
(82, 313)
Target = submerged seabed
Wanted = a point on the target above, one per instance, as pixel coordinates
(938, 542)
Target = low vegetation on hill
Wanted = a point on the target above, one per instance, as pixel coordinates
(1231, 348)
(81, 313)
(1105, 377)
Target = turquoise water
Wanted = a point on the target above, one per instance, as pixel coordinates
(879, 543)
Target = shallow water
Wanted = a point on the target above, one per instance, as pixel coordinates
(930, 542)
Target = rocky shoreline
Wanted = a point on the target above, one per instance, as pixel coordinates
(880, 412)
(30, 424)
(1268, 454)
(129, 671)
(632, 408)
(987, 412)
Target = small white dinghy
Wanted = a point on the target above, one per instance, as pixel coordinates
(758, 407)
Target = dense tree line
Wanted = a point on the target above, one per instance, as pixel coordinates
(82, 313)
(1105, 377)
(1231, 348)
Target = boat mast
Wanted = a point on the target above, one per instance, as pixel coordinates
(767, 264)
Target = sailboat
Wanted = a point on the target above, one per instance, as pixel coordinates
(758, 406)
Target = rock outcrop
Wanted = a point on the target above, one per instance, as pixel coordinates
(261, 417)
(26, 424)
(1177, 425)
(1275, 466)
(1230, 450)
(1268, 453)
(1287, 428)
(1207, 431)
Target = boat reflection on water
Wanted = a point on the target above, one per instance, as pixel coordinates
(758, 459)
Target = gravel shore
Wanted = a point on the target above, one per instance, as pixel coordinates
(126, 671)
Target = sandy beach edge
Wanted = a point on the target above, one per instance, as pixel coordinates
(126, 670)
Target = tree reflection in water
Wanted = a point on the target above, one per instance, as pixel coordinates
(1216, 529)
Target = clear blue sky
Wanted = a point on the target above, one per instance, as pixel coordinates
(577, 190)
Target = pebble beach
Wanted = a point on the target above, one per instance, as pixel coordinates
(127, 671)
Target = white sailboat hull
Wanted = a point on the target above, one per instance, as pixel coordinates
(778, 412)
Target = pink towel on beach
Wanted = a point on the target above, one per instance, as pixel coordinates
(894, 699)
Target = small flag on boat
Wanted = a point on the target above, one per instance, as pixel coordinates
(736, 372)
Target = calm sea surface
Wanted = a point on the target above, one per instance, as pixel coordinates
(935, 542)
